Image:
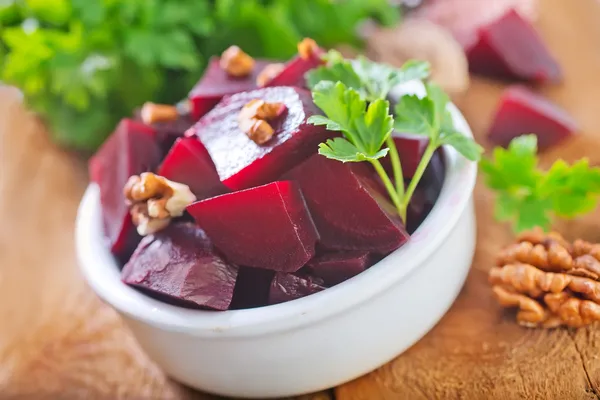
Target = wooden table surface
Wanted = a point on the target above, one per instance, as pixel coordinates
(58, 341)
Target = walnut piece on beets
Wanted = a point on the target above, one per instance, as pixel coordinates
(155, 200)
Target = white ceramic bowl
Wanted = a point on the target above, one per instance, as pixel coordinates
(312, 343)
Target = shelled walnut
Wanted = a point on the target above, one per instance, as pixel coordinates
(307, 48)
(155, 200)
(254, 116)
(551, 281)
(236, 62)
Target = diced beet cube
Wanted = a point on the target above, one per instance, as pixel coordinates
(180, 262)
(410, 150)
(189, 163)
(286, 287)
(130, 150)
(349, 211)
(335, 268)
(265, 227)
(294, 71)
(510, 48)
(427, 193)
(252, 288)
(216, 83)
(522, 111)
(463, 17)
(240, 162)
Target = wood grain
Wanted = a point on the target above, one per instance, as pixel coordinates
(477, 351)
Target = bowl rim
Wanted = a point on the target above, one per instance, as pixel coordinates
(103, 275)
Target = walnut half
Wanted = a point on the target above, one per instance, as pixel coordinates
(155, 200)
(236, 63)
(253, 118)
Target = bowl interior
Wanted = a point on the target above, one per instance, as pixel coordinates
(103, 274)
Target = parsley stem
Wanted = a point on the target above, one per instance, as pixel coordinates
(390, 188)
(396, 166)
(429, 151)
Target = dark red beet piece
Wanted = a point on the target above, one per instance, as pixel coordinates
(523, 111)
(410, 149)
(188, 162)
(348, 210)
(130, 150)
(510, 48)
(286, 287)
(252, 288)
(265, 227)
(216, 83)
(180, 262)
(335, 268)
(240, 162)
(427, 193)
(294, 71)
(168, 132)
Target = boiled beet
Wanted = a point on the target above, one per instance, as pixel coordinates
(510, 48)
(252, 288)
(240, 162)
(286, 287)
(411, 148)
(188, 162)
(130, 150)
(216, 83)
(348, 210)
(179, 262)
(294, 71)
(335, 268)
(427, 193)
(168, 132)
(522, 111)
(265, 227)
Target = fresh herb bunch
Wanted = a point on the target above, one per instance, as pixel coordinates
(528, 196)
(84, 64)
(352, 95)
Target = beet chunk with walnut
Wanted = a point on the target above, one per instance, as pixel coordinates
(180, 263)
(130, 150)
(217, 83)
(241, 163)
(188, 162)
(265, 227)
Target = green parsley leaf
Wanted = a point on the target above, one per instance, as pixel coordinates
(429, 116)
(528, 196)
(342, 150)
(464, 145)
(513, 167)
(414, 115)
(372, 80)
(366, 127)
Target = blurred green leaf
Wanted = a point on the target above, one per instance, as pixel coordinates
(84, 64)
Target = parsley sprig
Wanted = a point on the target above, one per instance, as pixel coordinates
(372, 80)
(528, 196)
(352, 95)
